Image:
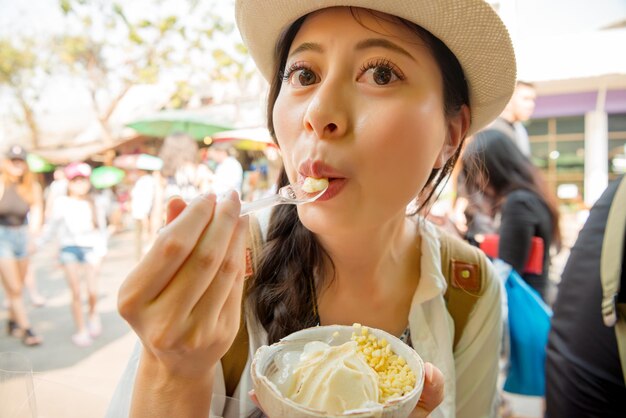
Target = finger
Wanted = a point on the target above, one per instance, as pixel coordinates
(255, 400)
(174, 208)
(230, 315)
(170, 250)
(233, 302)
(432, 394)
(227, 286)
(207, 257)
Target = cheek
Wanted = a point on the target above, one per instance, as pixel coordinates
(284, 128)
(288, 116)
(405, 142)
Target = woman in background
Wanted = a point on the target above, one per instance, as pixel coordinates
(21, 211)
(519, 199)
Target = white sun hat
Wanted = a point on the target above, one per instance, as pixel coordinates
(471, 29)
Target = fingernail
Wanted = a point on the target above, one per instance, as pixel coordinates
(233, 195)
(172, 198)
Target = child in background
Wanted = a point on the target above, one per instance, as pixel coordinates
(80, 229)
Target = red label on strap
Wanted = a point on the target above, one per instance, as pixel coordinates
(249, 269)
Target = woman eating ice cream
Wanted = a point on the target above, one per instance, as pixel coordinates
(377, 97)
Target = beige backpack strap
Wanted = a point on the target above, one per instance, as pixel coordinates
(463, 267)
(235, 359)
(611, 268)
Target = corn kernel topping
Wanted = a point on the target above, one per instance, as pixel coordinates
(395, 377)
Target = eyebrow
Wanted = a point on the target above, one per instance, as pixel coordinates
(307, 46)
(382, 43)
(365, 44)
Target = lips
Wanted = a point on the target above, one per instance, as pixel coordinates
(318, 169)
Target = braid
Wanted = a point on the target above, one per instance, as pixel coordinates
(283, 289)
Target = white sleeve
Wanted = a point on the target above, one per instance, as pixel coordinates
(119, 406)
(51, 225)
(477, 354)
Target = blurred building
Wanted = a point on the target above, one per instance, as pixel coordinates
(572, 50)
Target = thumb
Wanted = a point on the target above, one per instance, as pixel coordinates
(432, 395)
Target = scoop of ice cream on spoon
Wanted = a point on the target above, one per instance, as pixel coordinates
(294, 194)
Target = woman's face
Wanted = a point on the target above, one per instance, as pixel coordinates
(79, 186)
(363, 108)
(16, 167)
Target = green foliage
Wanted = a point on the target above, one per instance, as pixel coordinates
(15, 63)
(181, 96)
(111, 49)
(65, 6)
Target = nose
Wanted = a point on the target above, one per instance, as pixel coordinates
(327, 113)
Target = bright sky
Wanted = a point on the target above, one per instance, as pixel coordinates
(43, 17)
(553, 17)
(533, 17)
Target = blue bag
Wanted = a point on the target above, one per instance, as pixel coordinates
(529, 324)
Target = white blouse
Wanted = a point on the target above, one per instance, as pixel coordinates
(471, 372)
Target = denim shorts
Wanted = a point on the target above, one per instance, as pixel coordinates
(80, 255)
(13, 241)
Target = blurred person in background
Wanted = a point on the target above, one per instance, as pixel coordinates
(516, 195)
(142, 198)
(584, 374)
(58, 187)
(228, 171)
(21, 213)
(80, 229)
(517, 112)
(470, 214)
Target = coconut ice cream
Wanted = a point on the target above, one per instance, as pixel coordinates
(313, 185)
(338, 371)
(328, 378)
(361, 373)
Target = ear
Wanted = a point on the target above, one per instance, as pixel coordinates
(457, 129)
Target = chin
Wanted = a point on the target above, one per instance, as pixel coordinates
(318, 220)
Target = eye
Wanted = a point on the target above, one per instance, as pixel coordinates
(300, 75)
(381, 72)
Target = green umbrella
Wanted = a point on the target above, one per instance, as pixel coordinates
(138, 162)
(105, 176)
(37, 164)
(169, 122)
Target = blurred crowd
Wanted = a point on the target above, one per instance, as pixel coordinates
(79, 205)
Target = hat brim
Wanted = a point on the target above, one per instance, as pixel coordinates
(471, 29)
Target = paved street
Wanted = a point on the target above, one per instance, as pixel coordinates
(70, 381)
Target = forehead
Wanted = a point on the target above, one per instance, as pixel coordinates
(360, 22)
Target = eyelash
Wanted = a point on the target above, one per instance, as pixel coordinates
(298, 65)
(379, 62)
(382, 62)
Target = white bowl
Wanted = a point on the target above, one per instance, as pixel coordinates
(276, 405)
